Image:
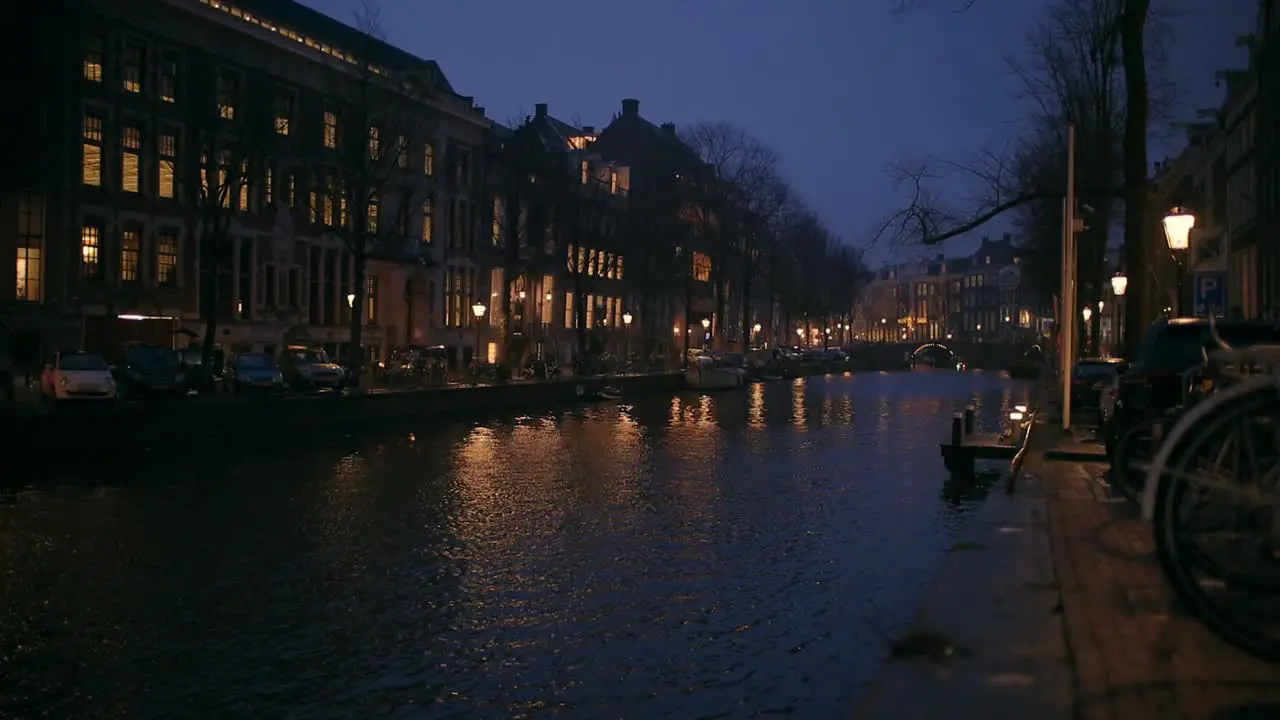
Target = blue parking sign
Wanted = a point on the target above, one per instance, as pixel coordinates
(1210, 293)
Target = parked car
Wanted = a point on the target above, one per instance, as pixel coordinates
(146, 369)
(1159, 377)
(310, 369)
(199, 376)
(251, 373)
(77, 376)
(1088, 379)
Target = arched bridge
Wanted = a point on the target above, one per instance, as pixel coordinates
(992, 355)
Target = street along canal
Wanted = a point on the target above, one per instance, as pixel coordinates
(699, 555)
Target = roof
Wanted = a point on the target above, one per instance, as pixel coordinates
(319, 26)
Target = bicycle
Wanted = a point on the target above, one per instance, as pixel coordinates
(1186, 476)
(1136, 447)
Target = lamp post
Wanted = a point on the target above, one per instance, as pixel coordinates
(626, 322)
(351, 300)
(1119, 283)
(706, 325)
(1177, 232)
(755, 333)
(478, 310)
(1086, 313)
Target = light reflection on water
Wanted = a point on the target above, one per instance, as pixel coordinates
(701, 554)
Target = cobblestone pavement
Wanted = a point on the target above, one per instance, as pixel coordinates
(1134, 653)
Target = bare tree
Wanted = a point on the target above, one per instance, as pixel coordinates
(741, 196)
(229, 134)
(364, 188)
(1127, 26)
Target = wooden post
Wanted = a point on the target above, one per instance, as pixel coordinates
(969, 420)
(957, 430)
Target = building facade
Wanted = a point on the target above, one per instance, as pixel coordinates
(119, 242)
(975, 298)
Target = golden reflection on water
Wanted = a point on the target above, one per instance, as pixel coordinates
(755, 406)
(797, 403)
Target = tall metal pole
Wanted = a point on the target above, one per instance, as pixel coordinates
(1066, 314)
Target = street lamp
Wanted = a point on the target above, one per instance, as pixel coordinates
(1119, 283)
(478, 310)
(1087, 312)
(626, 321)
(351, 300)
(548, 297)
(706, 323)
(1177, 228)
(522, 295)
(1177, 232)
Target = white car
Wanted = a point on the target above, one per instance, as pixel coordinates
(77, 376)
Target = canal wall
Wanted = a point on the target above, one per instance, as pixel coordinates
(183, 423)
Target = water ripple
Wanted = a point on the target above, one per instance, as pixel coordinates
(698, 556)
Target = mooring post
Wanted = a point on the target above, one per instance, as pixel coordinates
(968, 420)
(957, 429)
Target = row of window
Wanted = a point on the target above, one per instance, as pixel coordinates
(162, 255)
(596, 263)
(601, 310)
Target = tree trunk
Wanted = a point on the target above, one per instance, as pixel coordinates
(1132, 24)
(747, 328)
(210, 270)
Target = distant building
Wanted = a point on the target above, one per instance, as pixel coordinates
(975, 298)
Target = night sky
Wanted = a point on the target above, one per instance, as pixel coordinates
(841, 88)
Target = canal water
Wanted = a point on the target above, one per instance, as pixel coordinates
(691, 556)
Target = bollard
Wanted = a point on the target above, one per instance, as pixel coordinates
(969, 420)
(957, 430)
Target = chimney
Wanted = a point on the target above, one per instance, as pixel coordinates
(630, 108)
(540, 110)
(669, 129)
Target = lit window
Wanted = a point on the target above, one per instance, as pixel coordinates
(228, 89)
(133, 59)
(613, 182)
(168, 164)
(429, 160)
(375, 146)
(330, 130)
(167, 257)
(293, 194)
(428, 220)
(617, 261)
(169, 80)
(372, 225)
(130, 151)
(269, 186)
(701, 267)
(497, 220)
(30, 242)
(371, 298)
(28, 274)
(130, 249)
(586, 172)
(93, 58)
(91, 163)
(90, 244)
(284, 111)
(242, 186)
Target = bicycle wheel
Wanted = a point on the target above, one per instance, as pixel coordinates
(1217, 522)
(1133, 453)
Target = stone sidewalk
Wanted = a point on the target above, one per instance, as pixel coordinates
(1054, 606)
(1133, 652)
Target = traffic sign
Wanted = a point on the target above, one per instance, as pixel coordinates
(1210, 293)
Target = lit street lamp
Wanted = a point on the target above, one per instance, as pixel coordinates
(478, 310)
(351, 300)
(1177, 232)
(1119, 283)
(626, 321)
(522, 295)
(706, 323)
